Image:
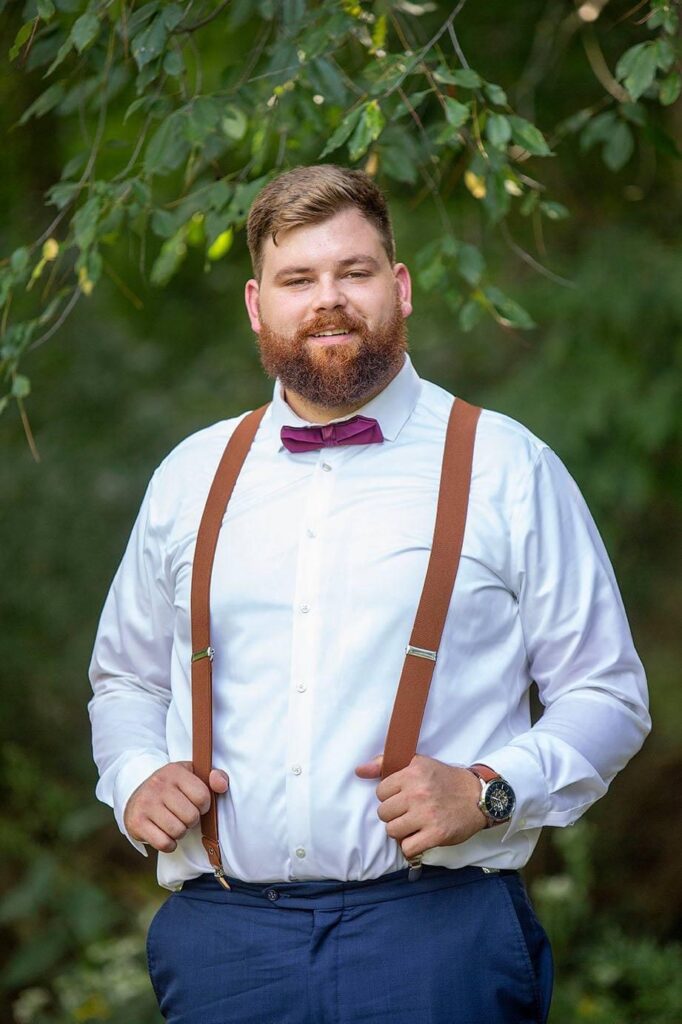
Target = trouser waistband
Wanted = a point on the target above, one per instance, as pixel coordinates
(331, 894)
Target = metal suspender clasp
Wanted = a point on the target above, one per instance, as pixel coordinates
(415, 868)
(421, 652)
(207, 652)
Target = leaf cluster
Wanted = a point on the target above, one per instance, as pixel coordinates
(192, 107)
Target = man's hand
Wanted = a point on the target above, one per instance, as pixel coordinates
(427, 804)
(169, 803)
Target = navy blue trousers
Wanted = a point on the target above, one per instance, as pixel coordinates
(453, 947)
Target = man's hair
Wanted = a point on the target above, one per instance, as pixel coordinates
(308, 195)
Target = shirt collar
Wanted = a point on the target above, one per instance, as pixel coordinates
(391, 408)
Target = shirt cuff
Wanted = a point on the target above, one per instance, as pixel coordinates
(133, 773)
(525, 776)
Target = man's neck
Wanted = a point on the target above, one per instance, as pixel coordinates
(313, 413)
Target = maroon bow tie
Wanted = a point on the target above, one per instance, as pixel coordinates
(358, 430)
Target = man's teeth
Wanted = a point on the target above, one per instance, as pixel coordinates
(328, 334)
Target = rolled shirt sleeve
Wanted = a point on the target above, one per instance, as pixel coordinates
(130, 669)
(580, 654)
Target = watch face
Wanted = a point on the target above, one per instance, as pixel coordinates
(499, 800)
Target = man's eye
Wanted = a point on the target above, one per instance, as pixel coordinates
(297, 280)
(357, 273)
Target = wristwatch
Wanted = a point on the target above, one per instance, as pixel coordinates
(497, 797)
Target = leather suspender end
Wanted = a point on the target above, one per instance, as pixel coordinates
(207, 652)
(421, 652)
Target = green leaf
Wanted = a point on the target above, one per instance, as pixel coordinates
(150, 43)
(19, 260)
(368, 129)
(665, 54)
(598, 129)
(670, 89)
(22, 36)
(342, 133)
(234, 123)
(495, 94)
(173, 64)
(46, 9)
(634, 112)
(85, 222)
(62, 53)
(457, 113)
(618, 147)
(172, 15)
(528, 136)
(201, 119)
(509, 312)
(85, 31)
(470, 314)
(466, 77)
(498, 130)
(168, 146)
(470, 263)
(637, 68)
(21, 386)
(168, 261)
(555, 211)
(45, 102)
(61, 194)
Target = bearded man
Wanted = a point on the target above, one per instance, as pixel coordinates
(251, 644)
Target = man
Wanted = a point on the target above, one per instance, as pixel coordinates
(317, 574)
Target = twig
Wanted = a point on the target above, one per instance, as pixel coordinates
(180, 30)
(600, 67)
(425, 49)
(75, 296)
(532, 262)
(27, 431)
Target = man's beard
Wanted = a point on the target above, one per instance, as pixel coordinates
(333, 376)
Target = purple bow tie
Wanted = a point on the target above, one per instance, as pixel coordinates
(358, 430)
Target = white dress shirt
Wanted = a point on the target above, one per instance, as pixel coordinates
(317, 576)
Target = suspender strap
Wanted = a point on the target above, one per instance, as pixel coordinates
(421, 654)
(422, 650)
(202, 653)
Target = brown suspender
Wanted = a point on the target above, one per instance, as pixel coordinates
(421, 652)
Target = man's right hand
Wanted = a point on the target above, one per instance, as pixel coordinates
(169, 803)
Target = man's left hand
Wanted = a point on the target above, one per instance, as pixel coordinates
(427, 804)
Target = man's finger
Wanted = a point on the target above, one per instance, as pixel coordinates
(218, 780)
(370, 769)
(392, 808)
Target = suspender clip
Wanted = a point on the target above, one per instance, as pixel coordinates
(421, 652)
(207, 652)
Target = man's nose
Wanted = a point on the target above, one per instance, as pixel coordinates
(328, 294)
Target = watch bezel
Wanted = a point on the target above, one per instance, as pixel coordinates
(486, 804)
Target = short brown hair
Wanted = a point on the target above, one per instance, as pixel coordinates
(308, 195)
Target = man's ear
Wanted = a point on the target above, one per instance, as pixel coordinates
(403, 284)
(251, 293)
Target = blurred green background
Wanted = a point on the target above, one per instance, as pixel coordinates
(135, 369)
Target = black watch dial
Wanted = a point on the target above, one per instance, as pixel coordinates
(499, 800)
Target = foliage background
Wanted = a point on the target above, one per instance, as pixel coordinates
(136, 367)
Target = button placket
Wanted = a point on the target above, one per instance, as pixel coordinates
(303, 668)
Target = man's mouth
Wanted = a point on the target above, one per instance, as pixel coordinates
(330, 337)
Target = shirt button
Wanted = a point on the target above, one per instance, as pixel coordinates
(301, 687)
(300, 852)
(310, 532)
(326, 467)
(304, 608)
(296, 769)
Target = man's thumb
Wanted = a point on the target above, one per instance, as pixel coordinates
(218, 780)
(371, 769)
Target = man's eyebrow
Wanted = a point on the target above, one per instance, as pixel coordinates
(347, 262)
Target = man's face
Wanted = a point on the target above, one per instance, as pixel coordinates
(329, 310)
